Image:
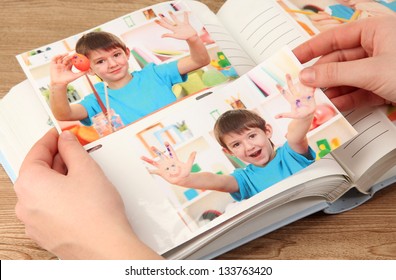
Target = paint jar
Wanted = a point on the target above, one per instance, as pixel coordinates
(105, 127)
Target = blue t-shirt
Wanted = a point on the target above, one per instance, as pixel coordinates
(149, 90)
(341, 11)
(254, 179)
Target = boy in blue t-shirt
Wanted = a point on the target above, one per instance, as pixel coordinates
(247, 136)
(130, 95)
(348, 10)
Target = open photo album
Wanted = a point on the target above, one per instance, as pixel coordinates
(240, 148)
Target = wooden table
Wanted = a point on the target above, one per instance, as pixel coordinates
(368, 232)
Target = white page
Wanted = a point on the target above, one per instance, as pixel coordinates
(375, 141)
(261, 27)
(23, 120)
(234, 52)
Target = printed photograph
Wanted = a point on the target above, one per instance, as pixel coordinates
(317, 16)
(240, 140)
(102, 80)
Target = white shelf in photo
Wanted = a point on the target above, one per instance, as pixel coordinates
(195, 199)
(325, 125)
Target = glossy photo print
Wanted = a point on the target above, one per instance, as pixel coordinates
(102, 80)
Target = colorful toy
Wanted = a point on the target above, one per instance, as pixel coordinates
(190, 194)
(325, 147)
(81, 62)
(210, 215)
(224, 66)
(323, 113)
(212, 77)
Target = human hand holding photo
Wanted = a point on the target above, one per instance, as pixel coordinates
(69, 207)
(356, 62)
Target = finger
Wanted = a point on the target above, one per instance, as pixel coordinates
(343, 55)
(185, 17)
(58, 58)
(37, 164)
(335, 74)
(337, 91)
(345, 36)
(43, 152)
(174, 18)
(171, 151)
(163, 24)
(289, 115)
(157, 152)
(281, 89)
(166, 22)
(290, 85)
(149, 161)
(73, 154)
(168, 35)
(67, 59)
(58, 165)
(355, 99)
(191, 158)
(286, 94)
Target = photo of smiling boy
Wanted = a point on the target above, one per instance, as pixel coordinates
(131, 95)
(246, 135)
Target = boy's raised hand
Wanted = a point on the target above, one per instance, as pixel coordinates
(61, 70)
(169, 166)
(182, 30)
(301, 99)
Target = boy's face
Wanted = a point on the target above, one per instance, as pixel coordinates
(111, 66)
(252, 146)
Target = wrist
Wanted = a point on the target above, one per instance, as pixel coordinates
(310, 116)
(193, 38)
(56, 86)
(189, 180)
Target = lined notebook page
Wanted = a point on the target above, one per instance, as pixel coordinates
(375, 142)
(19, 131)
(241, 61)
(261, 27)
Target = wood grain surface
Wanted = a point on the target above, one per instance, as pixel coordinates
(368, 232)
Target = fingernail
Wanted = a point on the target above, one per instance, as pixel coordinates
(67, 135)
(307, 75)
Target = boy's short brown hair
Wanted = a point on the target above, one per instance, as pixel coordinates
(236, 121)
(98, 40)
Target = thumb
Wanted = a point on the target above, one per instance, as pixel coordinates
(335, 74)
(167, 35)
(284, 115)
(72, 153)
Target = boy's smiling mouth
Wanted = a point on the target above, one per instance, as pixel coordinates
(255, 154)
(115, 71)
